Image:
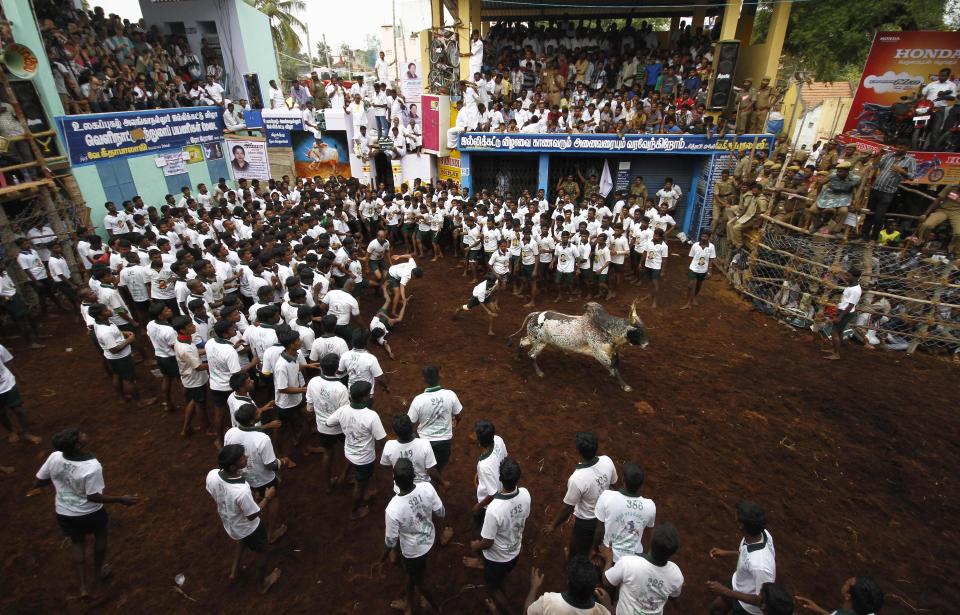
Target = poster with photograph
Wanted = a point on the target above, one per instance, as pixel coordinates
(194, 154)
(411, 83)
(248, 158)
(325, 156)
(213, 151)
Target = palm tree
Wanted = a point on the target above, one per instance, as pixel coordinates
(284, 26)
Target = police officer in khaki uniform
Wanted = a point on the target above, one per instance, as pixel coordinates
(945, 207)
(570, 187)
(752, 205)
(753, 170)
(762, 101)
(828, 159)
(745, 104)
(743, 159)
(639, 189)
(591, 186)
(724, 196)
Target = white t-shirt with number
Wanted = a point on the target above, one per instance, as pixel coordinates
(417, 450)
(644, 586)
(488, 469)
(409, 520)
(587, 483)
(433, 411)
(700, 257)
(360, 365)
(259, 450)
(235, 504)
(624, 520)
(343, 305)
(361, 428)
(324, 396)
(327, 345)
(503, 523)
(73, 481)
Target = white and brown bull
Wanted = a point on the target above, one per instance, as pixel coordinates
(595, 333)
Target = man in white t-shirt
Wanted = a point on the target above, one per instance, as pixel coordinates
(436, 412)
(756, 564)
(846, 310)
(11, 403)
(361, 366)
(193, 373)
(592, 476)
(398, 276)
(223, 361)
(501, 534)
(361, 430)
(654, 257)
(702, 254)
(647, 582)
(262, 464)
(484, 293)
(77, 478)
(326, 393)
(409, 523)
(583, 596)
(623, 516)
(240, 513)
(344, 306)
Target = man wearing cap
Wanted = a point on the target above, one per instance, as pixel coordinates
(724, 194)
(762, 102)
(892, 169)
(836, 195)
(828, 157)
(752, 205)
(745, 105)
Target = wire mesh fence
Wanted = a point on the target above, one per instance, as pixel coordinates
(911, 298)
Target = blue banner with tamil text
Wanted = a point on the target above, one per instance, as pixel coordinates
(96, 137)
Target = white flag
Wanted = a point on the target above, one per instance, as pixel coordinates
(606, 182)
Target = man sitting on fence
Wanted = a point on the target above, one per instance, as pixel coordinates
(747, 215)
(834, 199)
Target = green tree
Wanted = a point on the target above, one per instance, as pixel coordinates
(285, 26)
(832, 39)
(324, 53)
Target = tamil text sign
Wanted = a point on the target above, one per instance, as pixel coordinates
(97, 137)
(605, 144)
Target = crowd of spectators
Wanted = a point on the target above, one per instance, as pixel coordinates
(102, 63)
(573, 77)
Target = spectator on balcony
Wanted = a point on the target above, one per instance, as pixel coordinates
(299, 94)
(275, 95)
(232, 120)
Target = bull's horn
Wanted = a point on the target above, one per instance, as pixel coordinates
(633, 312)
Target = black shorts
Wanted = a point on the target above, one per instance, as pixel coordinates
(291, 416)
(11, 398)
(65, 289)
(196, 394)
(653, 274)
(473, 256)
(441, 451)
(845, 320)
(494, 573)
(168, 366)
(416, 567)
(172, 304)
(90, 523)
(142, 306)
(257, 540)
(43, 287)
(695, 275)
(15, 307)
(583, 529)
(363, 473)
(393, 282)
(123, 368)
(616, 267)
(220, 397)
(473, 302)
(329, 440)
(262, 489)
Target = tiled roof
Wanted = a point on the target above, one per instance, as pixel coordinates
(815, 93)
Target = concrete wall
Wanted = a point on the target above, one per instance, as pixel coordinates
(244, 34)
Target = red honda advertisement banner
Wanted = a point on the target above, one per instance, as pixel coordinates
(932, 167)
(899, 64)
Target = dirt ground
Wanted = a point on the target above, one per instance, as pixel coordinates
(850, 459)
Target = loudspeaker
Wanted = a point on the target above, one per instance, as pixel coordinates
(20, 61)
(724, 70)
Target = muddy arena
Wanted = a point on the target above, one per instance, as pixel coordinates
(851, 460)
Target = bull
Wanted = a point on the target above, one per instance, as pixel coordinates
(595, 333)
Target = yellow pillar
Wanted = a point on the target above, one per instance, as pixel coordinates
(465, 15)
(436, 14)
(699, 15)
(744, 28)
(475, 23)
(779, 21)
(731, 17)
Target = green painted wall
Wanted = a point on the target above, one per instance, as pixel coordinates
(20, 16)
(257, 45)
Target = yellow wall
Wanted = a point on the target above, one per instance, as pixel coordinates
(791, 115)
